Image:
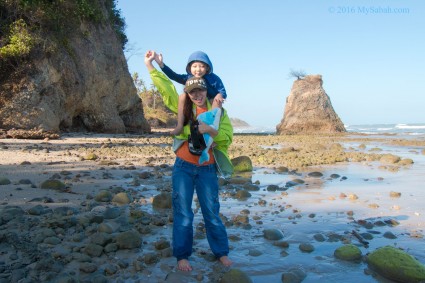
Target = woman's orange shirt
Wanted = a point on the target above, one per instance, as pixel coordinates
(184, 153)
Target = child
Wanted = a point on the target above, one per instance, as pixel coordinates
(198, 65)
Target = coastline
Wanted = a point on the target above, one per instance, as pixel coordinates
(140, 166)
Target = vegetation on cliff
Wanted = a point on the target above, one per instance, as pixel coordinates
(156, 113)
(42, 26)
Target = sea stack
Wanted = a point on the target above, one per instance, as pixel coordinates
(309, 109)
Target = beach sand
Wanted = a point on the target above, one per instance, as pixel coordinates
(357, 190)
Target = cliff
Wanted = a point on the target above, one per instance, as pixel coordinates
(74, 76)
(309, 109)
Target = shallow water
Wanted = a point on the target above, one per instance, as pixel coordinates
(316, 207)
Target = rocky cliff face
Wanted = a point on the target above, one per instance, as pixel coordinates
(309, 110)
(83, 85)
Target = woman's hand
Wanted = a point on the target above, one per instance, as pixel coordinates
(204, 128)
(149, 57)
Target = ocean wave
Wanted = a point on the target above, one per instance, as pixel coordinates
(405, 126)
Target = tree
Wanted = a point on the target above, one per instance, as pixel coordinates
(299, 74)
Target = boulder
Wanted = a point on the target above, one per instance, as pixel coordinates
(348, 252)
(396, 265)
(309, 109)
(242, 164)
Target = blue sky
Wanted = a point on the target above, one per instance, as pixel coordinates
(370, 53)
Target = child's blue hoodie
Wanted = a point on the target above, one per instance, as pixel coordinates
(214, 83)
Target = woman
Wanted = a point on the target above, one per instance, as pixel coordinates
(189, 176)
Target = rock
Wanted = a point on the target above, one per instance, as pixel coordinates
(90, 156)
(395, 194)
(272, 234)
(281, 244)
(335, 176)
(4, 181)
(122, 198)
(309, 109)
(251, 187)
(88, 267)
(162, 244)
(406, 161)
(294, 275)
(348, 252)
(242, 195)
(36, 210)
(112, 213)
(242, 164)
(162, 201)
(235, 276)
(282, 169)
(389, 159)
(315, 174)
(150, 258)
(53, 185)
(272, 188)
(129, 240)
(319, 237)
(93, 250)
(396, 265)
(103, 196)
(306, 247)
(389, 235)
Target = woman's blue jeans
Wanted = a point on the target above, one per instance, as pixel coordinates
(187, 178)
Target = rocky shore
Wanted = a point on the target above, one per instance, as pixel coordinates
(97, 208)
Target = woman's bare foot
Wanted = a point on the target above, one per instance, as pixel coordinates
(184, 265)
(225, 261)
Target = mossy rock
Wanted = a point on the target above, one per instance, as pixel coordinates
(53, 185)
(348, 252)
(242, 164)
(235, 276)
(103, 196)
(162, 201)
(91, 156)
(4, 181)
(396, 265)
(122, 198)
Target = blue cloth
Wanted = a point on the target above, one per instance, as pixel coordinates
(214, 83)
(186, 179)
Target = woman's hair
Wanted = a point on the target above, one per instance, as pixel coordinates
(187, 110)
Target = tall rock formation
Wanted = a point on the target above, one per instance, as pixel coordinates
(309, 110)
(78, 82)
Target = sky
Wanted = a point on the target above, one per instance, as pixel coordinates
(371, 54)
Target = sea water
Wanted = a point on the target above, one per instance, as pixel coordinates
(417, 129)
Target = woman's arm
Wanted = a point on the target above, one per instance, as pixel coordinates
(162, 83)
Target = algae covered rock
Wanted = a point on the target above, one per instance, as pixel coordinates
(235, 276)
(162, 201)
(348, 252)
(53, 185)
(242, 164)
(4, 181)
(396, 265)
(122, 198)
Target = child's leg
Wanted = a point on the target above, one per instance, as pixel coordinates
(180, 116)
(215, 104)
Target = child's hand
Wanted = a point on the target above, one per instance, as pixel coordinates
(219, 100)
(149, 56)
(159, 60)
